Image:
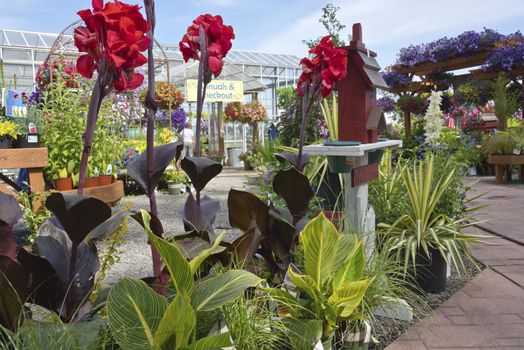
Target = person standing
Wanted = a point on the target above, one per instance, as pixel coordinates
(188, 136)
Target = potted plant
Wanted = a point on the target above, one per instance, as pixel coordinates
(9, 131)
(517, 136)
(29, 127)
(248, 158)
(331, 278)
(176, 181)
(422, 239)
(63, 182)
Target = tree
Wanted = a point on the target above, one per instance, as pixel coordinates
(333, 27)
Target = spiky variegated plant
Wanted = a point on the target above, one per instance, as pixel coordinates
(421, 228)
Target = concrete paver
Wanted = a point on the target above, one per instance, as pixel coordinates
(488, 312)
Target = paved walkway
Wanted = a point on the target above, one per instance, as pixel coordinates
(488, 312)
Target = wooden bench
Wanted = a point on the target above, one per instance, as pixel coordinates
(504, 166)
(34, 159)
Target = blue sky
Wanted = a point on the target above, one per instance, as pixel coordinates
(280, 25)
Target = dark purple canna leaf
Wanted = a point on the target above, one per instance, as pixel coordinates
(163, 156)
(293, 160)
(7, 241)
(10, 211)
(201, 218)
(243, 206)
(109, 226)
(155, 224)
(78, 214)
(281, 239)
(295, 189)
(243, 249)
(55, 246)
(14, 280)
(45, 288)
(200, 170)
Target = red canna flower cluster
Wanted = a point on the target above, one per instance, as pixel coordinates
(218, 39)
(115, 32)
(326, 66)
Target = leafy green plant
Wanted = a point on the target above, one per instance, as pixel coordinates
(34, 215)
(331, 286)
(252, 325)
(500, 145)
(175, 176)
(517, 136)
(64, 121)
(386, 192)
(330, 114)
(139, 318)
(506, 103)
(9, 130)
(421, 227)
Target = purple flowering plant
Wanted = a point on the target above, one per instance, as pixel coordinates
(465, 44)
(387, 104)
(178, 119)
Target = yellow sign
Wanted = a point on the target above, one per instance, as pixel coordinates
(217, 91)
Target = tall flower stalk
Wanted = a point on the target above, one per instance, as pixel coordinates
(111, 40)
(207, 40)
(150, 137)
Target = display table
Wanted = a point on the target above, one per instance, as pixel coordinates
(504, 166)
(34, 159)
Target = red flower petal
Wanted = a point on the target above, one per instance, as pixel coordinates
(215, 65)
(98, 5)
(85, 65)
(135, 81)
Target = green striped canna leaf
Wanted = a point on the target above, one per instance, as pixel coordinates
(134, 313)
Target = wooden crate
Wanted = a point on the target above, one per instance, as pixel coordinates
(109, 194)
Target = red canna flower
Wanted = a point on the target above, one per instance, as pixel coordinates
(326, 65)
(218, 39)
(114, 33)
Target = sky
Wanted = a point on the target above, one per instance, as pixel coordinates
(279, 26)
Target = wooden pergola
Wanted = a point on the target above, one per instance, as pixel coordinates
(424, 71)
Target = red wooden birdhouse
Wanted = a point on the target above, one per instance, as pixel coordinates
(359, 117)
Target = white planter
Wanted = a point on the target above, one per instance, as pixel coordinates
(517, 151)
(175, 188)
(359, 340)
(472, 171)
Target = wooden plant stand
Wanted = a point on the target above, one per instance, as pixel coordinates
(109, 194)
(34, 159)
(504, 166)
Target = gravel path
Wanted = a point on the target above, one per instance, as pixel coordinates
(135, 256)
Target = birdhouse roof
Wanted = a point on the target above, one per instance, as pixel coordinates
(376, 119)
(371, 71)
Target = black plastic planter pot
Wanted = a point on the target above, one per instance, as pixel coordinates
(329, 191)
(375, 156)
(338, 164)
(5, 144)
(29, 141)
(430, 273)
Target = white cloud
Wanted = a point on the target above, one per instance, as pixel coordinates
(389, 25)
